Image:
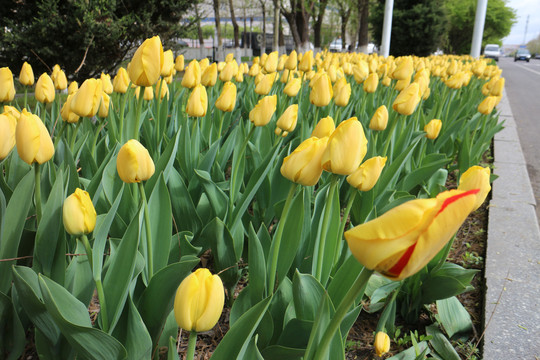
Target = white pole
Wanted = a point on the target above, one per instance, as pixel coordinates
(478, 31)
(387, 28)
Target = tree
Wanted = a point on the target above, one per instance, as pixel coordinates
(298, 15)
(321, 7)
(363, 26)
(235, 25)
(461, 16)
(84, 37)
(534, 46)
(418, 26)
(344, 9)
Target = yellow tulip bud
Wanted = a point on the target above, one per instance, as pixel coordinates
(86, 100)
(121, 81)
(168, 63)
(192, 75)
(73, 87)
(179, 63)
(56, 68)
(433, 128)
(229, 57)
(265, 85)
(292, 61)
(271, 62)
(402, 84)
(261, 114)
(33, 141)
(254, 69)
(321, 93)
(78, 213)
(382, 343)
(45, 89)
(325, 127)
(227, 100)
(106, 83)
(148, 93)
(343, 94)
(134, 163)
(371, 83)
(229, 71)
(407, 100)
(209, 77)
(66, 113)
(8, 125)
(487, 105)
(366, 176)
(199, 301)
(239, 76)
(332, 73)
(258, 78)
(347, 146)
(287, 121)
(293, 87)
(360, 71)
(498, 87)
(198, 102)
(145, 66)
(221, 65)
(281, 62)
(203, 64)
(404, 69)
(476, 177)
(60, 80)
(26, 76)
(12, 111)
(379, 121)
(386, 81)
(104, 105)
(306, 63)
(303, 165)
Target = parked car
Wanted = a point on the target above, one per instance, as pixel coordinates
(335, 45)
(492, 51)
(522, 54)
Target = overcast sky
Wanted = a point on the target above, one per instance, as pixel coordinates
(524, 8)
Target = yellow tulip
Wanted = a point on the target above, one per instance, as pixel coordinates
(73, 87)
(56, 68)
(347, 146)
(254, 69)
(229, 57)
(303, 165)
(33, 141)
(60, 80)
(433, 128)
(7, 86)
(199, 301)
(145, 66)
(104, 105)
(121, 81)
(179, 63)
(86, 100)
(261, 114)
(342, 95)
(306, 63)
(403, 240)
(203, 64)
(287, 121)
(227, 100)
(198, 102)
(386, 81)
(67, 114)
(379, 121)
(402, 84)
(134, 163)
(45, 89)
(271, 62)
(476, 177)
(382, 343)
(239, 76)
(293, 87)
(321, 93)
(360, 71)
(106, 83)
(497, 88)
(487, 105)
(78, 213)
(407, 100)
(209, 77)
(148, 93)
(366, 176)
(229, 71)
(371, 83)
(8, 125)
(292, 61)
(265, 85)
(404, 69)
(281, 62)
(192, 75)
(12, 111)
(325, 127)
(168, 63)
(26, 76)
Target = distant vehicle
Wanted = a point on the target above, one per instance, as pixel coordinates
(522, 54)
(336, 45)
(492, 51)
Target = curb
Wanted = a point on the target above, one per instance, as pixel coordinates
(512, 301)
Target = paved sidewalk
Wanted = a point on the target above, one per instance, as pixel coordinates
(512, 303)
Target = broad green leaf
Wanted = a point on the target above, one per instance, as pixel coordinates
(257, 266)
(217, 198)
(184, 210)
(412, 352)
(324, 315)
(164, 164)
(252, 351)
(344, 278)
(296, 334)
(440, 343)
(420, 175)
(382, 292)
(453, 316)
(172, 354)
(133, 334)
(307, 295)
(13, 339)
(279, 352)
(159, 208)
(79, 278)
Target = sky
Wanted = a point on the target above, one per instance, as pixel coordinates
(524, 8)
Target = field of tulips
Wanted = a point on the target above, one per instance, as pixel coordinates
(294, 193)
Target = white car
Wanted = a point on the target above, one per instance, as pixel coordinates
(492, 51)
(335, 45)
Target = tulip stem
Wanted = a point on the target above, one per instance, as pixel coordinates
(25, 96)
(74, 135)
(62, 129)
(356, 290)
(37, 192)
(191, 345)
(149, 251)
(389, 137)
(138, 113)
(236, 165)
(344, 222)
(123, 98)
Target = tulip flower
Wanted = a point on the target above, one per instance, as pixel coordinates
(26, 77)
(292, 61)
(404, 69)
(86, 100)
(379, 121)
(73, 87)
(198, 102)
(371, 83)
(192, 75)
(60, 80)
(321, 93)
(306, 63)
(134, 163)
(265, 85)
(271, 63)
(34, 143)
(347, 146)
(303, 165)
(287, 120)
(367, 175)
(56, 68)
(433, 128)
(403, 240)
(199, 301)
(12, 111)
(67, 114)
(229, 71)
(402, 84)
(227, 100)
(342, 95)
(229, 57)
(261, 114)
(78, 213)
(121, 81)
(239, 76)
(254, 69)
(179, 63)
(145, 66)
(497, 88)
(407, 100)
(8, 124)
(106, 83)
(476, 177)
(487, 105)
(209, 77)
(168, 63)
(203, 64)
(162, 84)
(325, 127)
(104, 105)
(293, 87)
(45, 89)
(7, 86)
(148, 93)
(382, 343)
(360, 71)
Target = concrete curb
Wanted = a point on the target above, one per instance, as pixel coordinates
(512, 301)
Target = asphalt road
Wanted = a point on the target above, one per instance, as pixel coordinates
(523, 91)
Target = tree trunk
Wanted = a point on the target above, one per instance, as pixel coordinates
(317, 27)
(291, 19)
(218, 21)
(344, 20)
(263, 45)
(275, 45)
(363, 7)
(199, 28)
(235, 25)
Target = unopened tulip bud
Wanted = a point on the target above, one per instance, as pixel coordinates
(45, 89)
(321, 93)
(8, 125)
(67, 114)
(347, 146)
(261, 114)
(303, 165)
(227, 100)
(26, 76)
(106, 83)
(134, 163)
(168, 63)
(179, 63)
(371, 83)
(382, 343)
(293, 87)
(209, 77)
(78, 213)
(60, 80)
(192, 75)
(145, 66)
(104, 105)
(85, 102)
(366, 176)
(379, 121)
(33, 141)
(121, 81)
(407, 100)
(198, 102)
(287, 121)
(292, 61)
(265, 85)
(433, 128)
(487, 105)
(476, 177)
(325, 127)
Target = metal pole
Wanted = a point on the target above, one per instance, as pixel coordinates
(387, 27)
(478, 31)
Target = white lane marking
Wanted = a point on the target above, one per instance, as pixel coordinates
(526, 68)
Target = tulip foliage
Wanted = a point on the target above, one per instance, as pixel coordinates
(304, 174)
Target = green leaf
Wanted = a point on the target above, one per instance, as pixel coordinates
(217, 198)
(239, 335)
(412, 352)
(280, 352)
(307, 295)
(257, 266)
(164, 164)
(79, 279)
(453, 316)
(448, 281)
(344, 278)
(97, 178)
(296, 334)
(72, 318)
(420, 175)
(382, 292)
(440, 343)
(159, 208)
(133, 334)
(252, 352)
(172, 354)
(184, 210)
(13, 338)
(16, 213)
